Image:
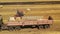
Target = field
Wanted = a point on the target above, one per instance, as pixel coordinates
(36, 10)
(25, 0)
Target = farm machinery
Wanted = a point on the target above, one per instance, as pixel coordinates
(30, 21)
(20, 21)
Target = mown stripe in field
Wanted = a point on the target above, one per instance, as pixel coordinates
(30, 3)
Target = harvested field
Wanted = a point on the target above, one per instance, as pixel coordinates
(36, 10)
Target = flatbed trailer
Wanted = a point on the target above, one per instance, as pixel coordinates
(44, 23)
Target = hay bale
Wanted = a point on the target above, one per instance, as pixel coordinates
(18, 18)
(11, 19)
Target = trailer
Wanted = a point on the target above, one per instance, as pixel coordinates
(30, 22)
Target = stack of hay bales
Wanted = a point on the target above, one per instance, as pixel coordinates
(18, 19)
(14, 19)
(25, 18)
(32, 17)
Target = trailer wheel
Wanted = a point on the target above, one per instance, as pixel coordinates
(10, 28)
(17, 28)
(46, 26)
(39, 26)
(0, 29)
(33, 26)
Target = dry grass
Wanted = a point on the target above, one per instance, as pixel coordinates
(25, 0)
(37, 10)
